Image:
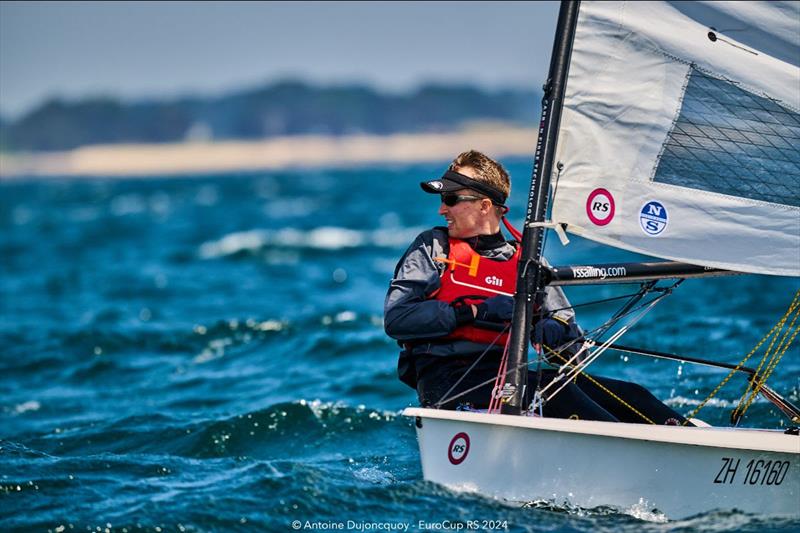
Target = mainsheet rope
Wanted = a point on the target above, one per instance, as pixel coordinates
(774, 358)
(758, 383)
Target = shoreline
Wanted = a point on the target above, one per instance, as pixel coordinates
(279, 153)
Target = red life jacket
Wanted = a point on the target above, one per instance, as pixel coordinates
(468, 274)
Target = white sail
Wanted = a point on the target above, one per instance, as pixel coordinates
(680, 133)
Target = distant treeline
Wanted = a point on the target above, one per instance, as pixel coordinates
(284, 108)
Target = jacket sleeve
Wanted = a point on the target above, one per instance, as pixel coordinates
(407, 312)
(556, 301)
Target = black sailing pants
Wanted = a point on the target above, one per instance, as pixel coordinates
(581, 398)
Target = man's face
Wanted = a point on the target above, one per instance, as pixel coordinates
(464, 219)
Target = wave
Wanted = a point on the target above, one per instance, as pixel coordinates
(326, 238)
(282, 431)
(642, 517)
(682, 401)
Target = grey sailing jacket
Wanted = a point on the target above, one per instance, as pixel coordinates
(409, 316)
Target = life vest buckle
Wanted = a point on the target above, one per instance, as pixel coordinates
(472, 266)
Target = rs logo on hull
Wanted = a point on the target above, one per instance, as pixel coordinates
(458, 449)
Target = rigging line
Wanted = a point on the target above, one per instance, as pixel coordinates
(559, 167)
(562, 347)
(597, 332)
(727, 378)
(580, 367)
(499, 383)
(738, 412)
(785, 347)
(645, 290)
(587, 336)
(626, 310)
(467, 371)
(768, 353)
(623, 311)
(537, 299)
(593, 302)
(610, 393)
(573, 371)
(761, 380)
(586, 345)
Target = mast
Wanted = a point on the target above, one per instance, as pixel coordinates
(529, 276)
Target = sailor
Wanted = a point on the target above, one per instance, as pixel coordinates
(450, 302)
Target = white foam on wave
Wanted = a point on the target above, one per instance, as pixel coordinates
(215, 349)
(332, 238)
(321, 238)
(682, 401)
(25, 407)
(233, 243)
(323, 410)
(644, 511)
(374, 475)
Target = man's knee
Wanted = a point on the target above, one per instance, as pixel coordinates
(631, 390)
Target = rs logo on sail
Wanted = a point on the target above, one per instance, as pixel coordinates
(600, 207)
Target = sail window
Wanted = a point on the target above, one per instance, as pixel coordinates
(730, 141)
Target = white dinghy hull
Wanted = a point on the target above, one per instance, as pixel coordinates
(681, 471)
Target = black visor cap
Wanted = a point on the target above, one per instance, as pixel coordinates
(453, 181)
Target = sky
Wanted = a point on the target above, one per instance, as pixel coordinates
(160, 50)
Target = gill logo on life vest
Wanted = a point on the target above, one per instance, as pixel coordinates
(494, 280)
(472, 266)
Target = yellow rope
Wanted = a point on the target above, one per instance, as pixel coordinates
(769, 353)
(787, 346)
(793, 307)
(610, 393)
(780, 351)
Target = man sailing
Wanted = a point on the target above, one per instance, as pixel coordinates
(451, 298)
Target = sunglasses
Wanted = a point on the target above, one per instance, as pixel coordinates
(451, 199)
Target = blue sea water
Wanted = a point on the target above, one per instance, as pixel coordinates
(207, 354)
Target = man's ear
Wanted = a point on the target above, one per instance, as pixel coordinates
(486, 206)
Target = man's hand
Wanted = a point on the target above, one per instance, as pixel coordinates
(552, 332)
(495, 309)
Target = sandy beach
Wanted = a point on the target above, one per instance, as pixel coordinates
(192, 158)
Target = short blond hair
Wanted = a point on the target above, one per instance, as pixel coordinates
(487, 170)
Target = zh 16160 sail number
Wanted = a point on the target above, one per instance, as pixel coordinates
(758, 472)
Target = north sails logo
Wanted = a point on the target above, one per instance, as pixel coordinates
(436, 184)
(653, 218)
(599, 273)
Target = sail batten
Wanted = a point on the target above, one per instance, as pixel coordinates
(680, 137)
